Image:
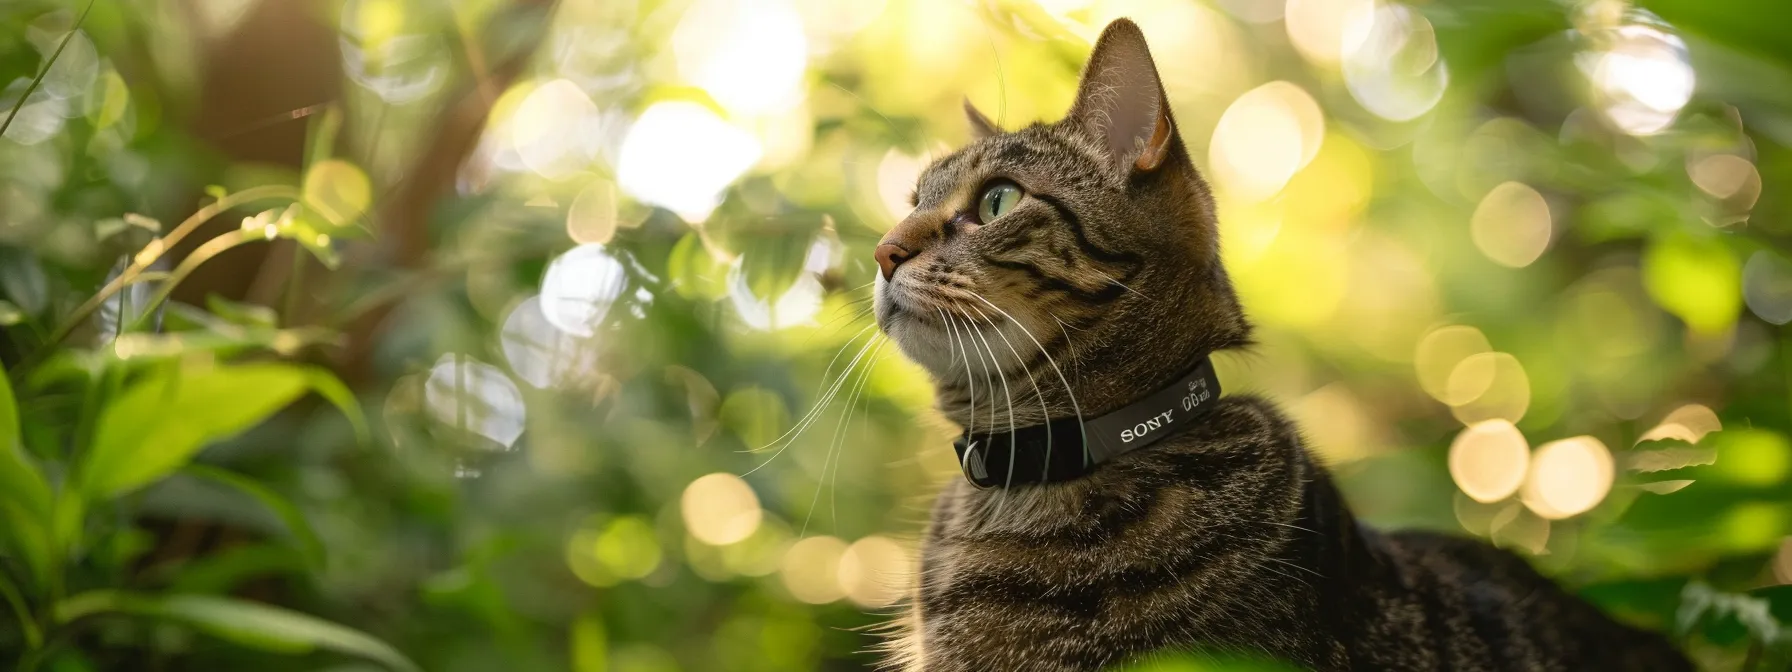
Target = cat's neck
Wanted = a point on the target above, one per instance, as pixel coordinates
(1088, 374)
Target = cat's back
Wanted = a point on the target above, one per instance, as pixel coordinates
(1441, 602)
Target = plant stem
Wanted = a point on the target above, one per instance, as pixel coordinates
(39, 79)
(294, 281)
(200, 255)
(161, 247)
(34, 637)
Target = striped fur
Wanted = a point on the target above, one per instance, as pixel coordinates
(1101, 285)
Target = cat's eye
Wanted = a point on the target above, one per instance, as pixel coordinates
(997, 200)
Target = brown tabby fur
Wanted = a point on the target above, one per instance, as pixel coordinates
(1101, 285)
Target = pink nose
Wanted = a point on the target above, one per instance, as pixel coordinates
(889, 256)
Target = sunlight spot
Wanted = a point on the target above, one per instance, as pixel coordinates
(681, 156)
(1397, 72)
(1263, 138)
(1722, 175)
(720, 509)
(470, 395)
(1767, 286)
(1488, 460)
(622, 549)
(1440, 351)
(592, 216)
(875, 572)
(1486, 386)
(1511, 225)
(798, 305)
(1568, 477)
(546, 126)
(579, 288)
(748, 54)
(1326, 31)
(540, 353)
(897, 174)
(812, 567)
(1643, 78)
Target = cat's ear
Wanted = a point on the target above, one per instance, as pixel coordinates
(981, 126)
(1121, 103)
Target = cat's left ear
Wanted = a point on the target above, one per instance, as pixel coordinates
(1121, 102)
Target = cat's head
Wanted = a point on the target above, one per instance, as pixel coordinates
(1082, 254)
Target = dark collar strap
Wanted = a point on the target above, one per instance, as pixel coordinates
(1066, 449)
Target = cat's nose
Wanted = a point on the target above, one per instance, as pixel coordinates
(889, 256)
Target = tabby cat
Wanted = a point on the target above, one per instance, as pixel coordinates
(1063, 272)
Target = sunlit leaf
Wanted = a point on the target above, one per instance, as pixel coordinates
(246, 623)
(1696, 279)
(289, 514)
(696, 274)
(338, 190)
(160, 423)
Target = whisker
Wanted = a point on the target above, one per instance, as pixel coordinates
(835, 444)
(1045, 413)
(1081, 428)
(1013, 443)
(1122, 285)
(814, 413)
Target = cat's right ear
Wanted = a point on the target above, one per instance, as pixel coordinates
(1121, 104)
(981, 126)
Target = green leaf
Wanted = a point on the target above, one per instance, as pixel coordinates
(221, 571)
(328, 386)
(25, 497)
(246, 314)
(249, 624)
(160, 423)
(10, 314)
(295, 520)
(1696, 279)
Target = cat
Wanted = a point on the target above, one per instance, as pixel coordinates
(1072, 269)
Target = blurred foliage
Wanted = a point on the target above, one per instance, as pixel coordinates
(511, 334)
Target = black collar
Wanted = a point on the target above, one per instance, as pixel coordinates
(1067, 449)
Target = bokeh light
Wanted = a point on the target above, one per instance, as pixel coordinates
(1489, 460)
(1437, 356)
(1512, 225)
(1568, 477)
(604, 553)
(579, 288)
(875, 572)
(1263, 138)
(811, 570)
(548, 127)
(680, 156)
(797, 305)
(1767, 286)
(1396, 72)
(1326, 31)
(466, 394)
(1643, 77)
(1486, 386)
(720, 509)
(748, 54)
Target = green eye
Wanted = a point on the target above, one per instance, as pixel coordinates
(997, 201)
